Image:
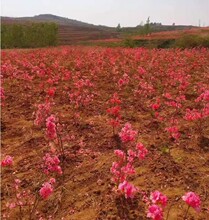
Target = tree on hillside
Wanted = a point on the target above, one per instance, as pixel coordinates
(147, 28)
(118, 27)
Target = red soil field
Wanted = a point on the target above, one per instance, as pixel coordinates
(175, 34)
(79, 82)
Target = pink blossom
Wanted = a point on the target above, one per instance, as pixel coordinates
(204, 96)
(11, 205)
(141, 151)
(114, 111)
(46, 190)
(120, 154)
(115, 99)
(124, 80)
(42, 113)
(17, 181)
(128, 169)
(128, 189)
(51, 91)
(141, 70)
(155, 212)
(114, 122)
(156, 105)
(192, 115)
(51, 127)
(205, 111)
(174, 132)
(115, 170)
(127, 134)
(158, 197)
(192, 200)
(51, 164)
(8, 161)
(167, 95)
(52, 181)
(131, 156)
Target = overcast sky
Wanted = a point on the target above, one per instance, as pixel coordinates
(112, 12)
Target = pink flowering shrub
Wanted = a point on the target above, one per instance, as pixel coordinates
(7, 161)
(51, 92)
(127, 134)
(200, 113)
(51, 127)
(192, 115)
(127, 189)
(21, 199)
(114, 111)
(123, 81)
(42, 113)
(51, 164)
(124, 166)
(156, 203)
(82, 93)
(141, 151)
(158, 198)
(192, 200)
(155, 212)
(203, 97)
(155, 106)
(173, 132)
(47, 189)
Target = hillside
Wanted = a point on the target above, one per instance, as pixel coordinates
(46, 18)
(70, 31)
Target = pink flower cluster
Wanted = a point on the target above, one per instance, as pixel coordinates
(144, 89)
(7, 161)
(155, 106)
(127, 134)
(51, 164)
(174, 132)
(158, 197)
(128, 189)
(47, 189)
(82, 94)
(51, 127)
(155, 211)
(203, 97)
(141, 70)
(115, 99)
(123, 168)
(114, 111)
(22, 198)
(175, 102)
(203, 112)
(124, 80)
(141, 151)
(51, 92)
(42, 113)
(192, 115)
(192, 200)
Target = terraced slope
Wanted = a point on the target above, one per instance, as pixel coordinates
(69, 31)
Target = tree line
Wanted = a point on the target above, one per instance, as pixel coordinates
(29, 35)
